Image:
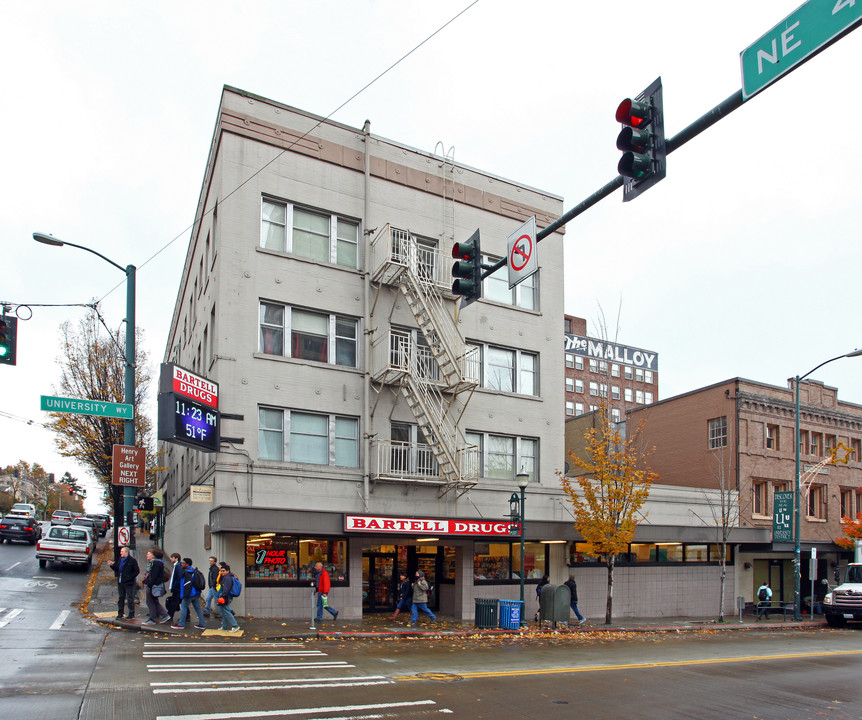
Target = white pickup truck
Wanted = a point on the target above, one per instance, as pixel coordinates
(67, 545)
(845, 602)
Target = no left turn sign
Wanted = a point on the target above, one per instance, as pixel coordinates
(523, 259)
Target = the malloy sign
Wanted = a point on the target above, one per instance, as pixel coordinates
(611, 352)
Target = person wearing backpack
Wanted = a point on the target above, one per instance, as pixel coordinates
(420, 599)
(154, 582)
(226, 593)
(193, 582)
(764, 597)
(573, 589)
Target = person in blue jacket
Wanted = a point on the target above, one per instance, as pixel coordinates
(189, 595)
(224, 586)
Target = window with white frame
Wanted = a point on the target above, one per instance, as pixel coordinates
(648, 397)
(628, 372)
(579, 408)
(615, 414)
(509, 370)
(313, 336)
(305, 437)
(771, 437)
(570, 408)
(594, 365)
(648, 376)
(579, 362)
(615, 392)
(628, 394)
(603, 390)
(594, 388)
(579, 386)
(570, 360)
(496, 288)
(639, 396)
(285, 227)
(615, 370)
(570, 384)
(717, 432)
(504, 456)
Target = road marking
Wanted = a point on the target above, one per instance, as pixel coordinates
(219, 644)
(10, 616)
(258, 682)
(247, 667)
(61, 618)
(296, 711)
(12, 566)
(642, 666)
(45, 577)
(228, 653)
(278, 685)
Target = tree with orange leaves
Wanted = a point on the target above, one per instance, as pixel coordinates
(852, 529)
(607, 497)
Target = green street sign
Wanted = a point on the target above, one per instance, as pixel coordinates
(810, 28)
(782, 517)
(99, 408)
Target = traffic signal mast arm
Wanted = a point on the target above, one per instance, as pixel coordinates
(707, 120)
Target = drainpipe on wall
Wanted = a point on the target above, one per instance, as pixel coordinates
(366, 344)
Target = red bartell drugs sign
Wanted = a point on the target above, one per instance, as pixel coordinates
(410, 526)
(180, 381)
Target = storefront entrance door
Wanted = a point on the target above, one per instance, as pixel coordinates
(378, 570)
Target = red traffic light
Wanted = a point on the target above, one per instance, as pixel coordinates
(464, 251)
(633, 113)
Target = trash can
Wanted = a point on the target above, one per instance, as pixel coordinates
(486, 613)
(510, 614)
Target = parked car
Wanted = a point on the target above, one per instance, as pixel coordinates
(106, 518)
(62, 517)
(25, 509)
(20, 527)
(89, 524)
(66, 544)
(101, 524)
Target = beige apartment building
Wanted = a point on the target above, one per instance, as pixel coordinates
(366, 420)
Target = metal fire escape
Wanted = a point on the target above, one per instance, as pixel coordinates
(436, 378)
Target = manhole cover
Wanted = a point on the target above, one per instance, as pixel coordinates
(442, 677)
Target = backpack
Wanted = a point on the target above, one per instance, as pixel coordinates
(199, 582)
(236, 588)
(762, 594)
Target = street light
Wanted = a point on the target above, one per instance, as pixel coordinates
(797, 491)
(523, 478)
(128, 379)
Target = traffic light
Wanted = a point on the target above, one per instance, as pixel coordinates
(8, 339)
(467, 269)
(642, 141)
(145, 503)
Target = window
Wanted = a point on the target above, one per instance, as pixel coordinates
(615, 392)
(313, 235)
(579, 408)
(648, 398)
(628, 372)
(313, 336)
(829, 444)
(816, 442)
(570, 408)
(817, 502)
(495, 562)
(410, 453)
(628, 394)
(615, 414)
(570, 360)
(772, 437)
(579, 362)
(639, 374)
(567, 323)
(603, 390)
(274, 559)
(579, 386)
(855, 449)
(570, 384)
(846, 503)
(639, 397)
(594, 365)
(615, 370)
(594, 388)
(648, 376)
(760, 498)
(311, 438)
(717, 433)
(496, 288)
(504, 456)
(509, 370)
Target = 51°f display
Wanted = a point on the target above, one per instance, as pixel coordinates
(188, 422)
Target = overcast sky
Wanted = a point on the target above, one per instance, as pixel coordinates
(744, 261)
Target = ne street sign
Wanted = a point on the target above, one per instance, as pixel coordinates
(810, 28)
(77, 406)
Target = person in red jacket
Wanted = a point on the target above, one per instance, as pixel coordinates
(321, 587)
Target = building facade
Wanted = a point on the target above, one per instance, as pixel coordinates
(598, 369)
(739, 435)
(366, 421)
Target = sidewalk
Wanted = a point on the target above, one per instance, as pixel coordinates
(102, 606)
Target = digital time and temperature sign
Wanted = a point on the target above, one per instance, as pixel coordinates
(188, 409)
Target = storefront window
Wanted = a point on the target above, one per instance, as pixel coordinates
(449, 564)
(496, 562)
(583, 553)
(273, 559)
(696, 553)
(715, 553)
(534, 561)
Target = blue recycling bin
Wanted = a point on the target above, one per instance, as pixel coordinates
(510, 614)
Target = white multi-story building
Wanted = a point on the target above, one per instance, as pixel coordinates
(367, 421)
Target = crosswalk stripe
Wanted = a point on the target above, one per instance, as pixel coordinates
(297, 711)
(180, 685)
(248, 667)
(225, 653)
(10, 616)
(335, 683)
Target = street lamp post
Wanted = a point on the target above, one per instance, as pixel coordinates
(120, 510)
(797, 491)
(523, 479)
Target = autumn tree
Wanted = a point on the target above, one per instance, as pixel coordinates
(852, 529)
(92, 366)
(609, 494)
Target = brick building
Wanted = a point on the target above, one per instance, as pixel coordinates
(596, 368)
(740, 434)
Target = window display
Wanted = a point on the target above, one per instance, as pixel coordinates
(273, 559)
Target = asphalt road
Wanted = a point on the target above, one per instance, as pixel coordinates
(48, 650)
(800, 674)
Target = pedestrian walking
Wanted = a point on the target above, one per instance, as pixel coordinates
(127, 572)
(154, 583)
(573, 588)
(175, 583)
(322, 586)
(190, 596)
(212, 594)
(764, 597)
(544, 581)
(405, 595)
(420, 598)
(224, 585)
